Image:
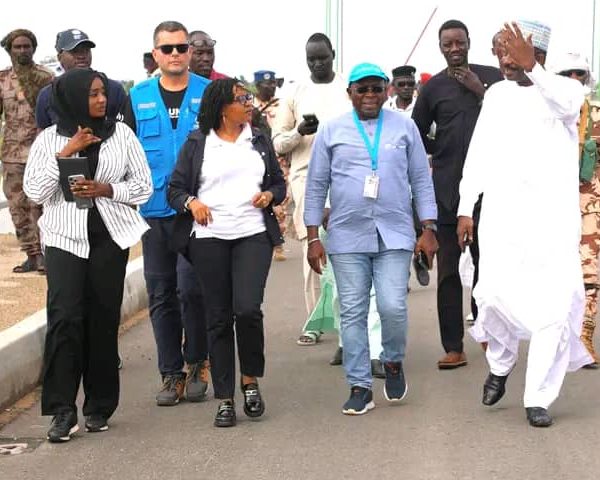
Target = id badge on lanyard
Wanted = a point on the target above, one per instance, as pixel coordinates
(371, 186)
(371, 189)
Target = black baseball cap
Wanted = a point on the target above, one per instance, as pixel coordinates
(404, 71)
(69, 39)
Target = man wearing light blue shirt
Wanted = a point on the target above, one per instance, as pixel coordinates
(369, 160)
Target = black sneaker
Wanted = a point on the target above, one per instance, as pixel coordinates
(226, 414)
(96, 423)
(171, 391)
(395, 388)
(62, 427)
(360, 401)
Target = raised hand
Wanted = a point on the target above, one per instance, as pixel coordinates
(519, 48)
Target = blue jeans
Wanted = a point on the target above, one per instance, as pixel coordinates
(175, 300)
(388, 271)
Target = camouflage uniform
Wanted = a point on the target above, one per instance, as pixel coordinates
(589, 199)
(19, 133)
(268, 111)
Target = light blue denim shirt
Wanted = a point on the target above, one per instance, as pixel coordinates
(339, 164)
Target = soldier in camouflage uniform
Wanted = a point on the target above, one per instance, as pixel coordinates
(575, 66)
(266, 105)
(590, 249)
(19, 88)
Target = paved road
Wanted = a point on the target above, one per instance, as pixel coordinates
(441, 431)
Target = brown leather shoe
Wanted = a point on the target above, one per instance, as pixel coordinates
(452, 360)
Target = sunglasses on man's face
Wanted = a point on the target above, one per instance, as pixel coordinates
(168, 49)
(243, 99)
(404, 84)
(204, 43)
(568, 73)
(369, 88)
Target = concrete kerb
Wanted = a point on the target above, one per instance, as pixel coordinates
(22, 345)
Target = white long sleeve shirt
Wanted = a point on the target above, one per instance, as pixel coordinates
(122, 163)
(325, 100)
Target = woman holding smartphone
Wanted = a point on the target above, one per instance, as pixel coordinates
(225, 184)
(86, 250)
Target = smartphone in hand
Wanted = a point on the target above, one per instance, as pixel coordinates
(81, 203)
(310, 118)
(422, 260)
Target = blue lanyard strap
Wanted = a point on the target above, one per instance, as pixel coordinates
(373, 149)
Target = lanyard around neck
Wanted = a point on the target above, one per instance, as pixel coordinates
(373, 148)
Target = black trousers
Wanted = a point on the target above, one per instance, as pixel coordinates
(83, 307)
(175, 300)
(233, 274)
(449, 287)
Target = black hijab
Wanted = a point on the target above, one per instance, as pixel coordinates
(70, 102)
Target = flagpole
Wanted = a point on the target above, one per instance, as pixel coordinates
(595, 40)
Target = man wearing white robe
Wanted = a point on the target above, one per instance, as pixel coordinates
(530, 274)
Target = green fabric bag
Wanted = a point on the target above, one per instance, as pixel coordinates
(589, 160)
(588, 148)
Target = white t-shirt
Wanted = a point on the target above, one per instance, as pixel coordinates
(392, 105)
(232, 173)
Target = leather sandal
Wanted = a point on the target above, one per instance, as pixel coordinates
(28, 266)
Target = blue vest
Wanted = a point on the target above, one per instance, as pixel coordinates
(160, 141)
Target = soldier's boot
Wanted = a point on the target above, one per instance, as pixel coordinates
(587, 337)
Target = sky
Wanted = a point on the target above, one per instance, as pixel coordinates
(271, 34)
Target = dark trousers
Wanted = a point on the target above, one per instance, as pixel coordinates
(175, 300)
(450, 290)
(83, 307)
(233, 274)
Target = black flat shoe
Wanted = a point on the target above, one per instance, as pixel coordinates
(538, 417)
(226, 414)
(254, 406)
(377, 369)
(493, 389)
(337, 357)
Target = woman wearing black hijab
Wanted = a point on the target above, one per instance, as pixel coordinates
(86, 250)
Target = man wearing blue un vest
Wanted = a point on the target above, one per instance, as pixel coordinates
(372, 163)
(163, 111)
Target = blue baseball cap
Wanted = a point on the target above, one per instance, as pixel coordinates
(262, 75)
(364, 70)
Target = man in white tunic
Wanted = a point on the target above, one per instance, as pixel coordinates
(527, 289)
(309, 103)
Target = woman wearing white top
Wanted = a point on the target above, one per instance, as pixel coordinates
(86, 250)
(224, 186)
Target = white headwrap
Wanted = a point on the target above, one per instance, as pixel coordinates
(573, 61)
(540, 33)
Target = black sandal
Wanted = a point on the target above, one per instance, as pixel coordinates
(28, 266)
(254, 405)
(225, 414)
